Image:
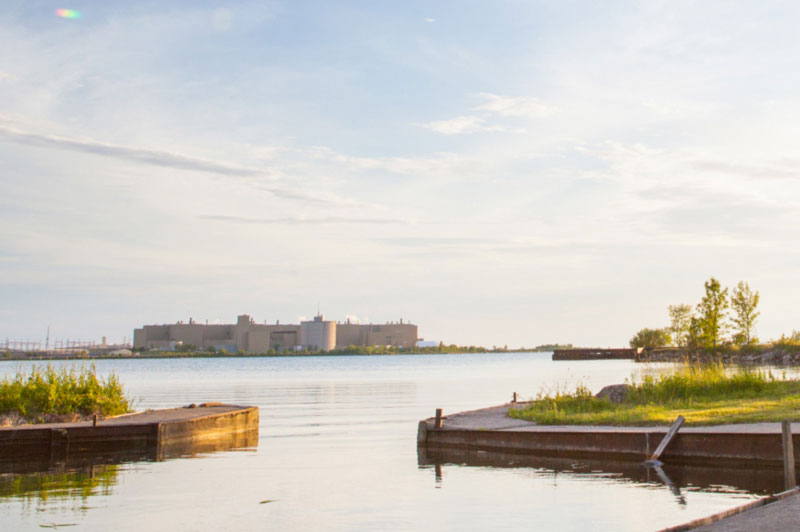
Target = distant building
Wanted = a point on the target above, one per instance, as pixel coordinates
(251, 337)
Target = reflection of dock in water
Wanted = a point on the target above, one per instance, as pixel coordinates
(154, 435)
(762, 480)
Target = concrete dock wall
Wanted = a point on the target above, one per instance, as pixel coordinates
(490, 429)
(595, 354)
(686, 447)
(151, 433)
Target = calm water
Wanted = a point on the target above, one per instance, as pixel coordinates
(337, 451)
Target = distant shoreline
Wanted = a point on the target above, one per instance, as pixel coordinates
(173, 355)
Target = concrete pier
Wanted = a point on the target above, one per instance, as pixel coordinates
(595, 354)
(490, 429)
(153, 433)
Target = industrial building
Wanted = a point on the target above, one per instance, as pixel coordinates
(250, 337)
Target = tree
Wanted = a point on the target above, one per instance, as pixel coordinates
(744, 302)
(712, 313)
(681, 320)
(693, 339)
(650, 338)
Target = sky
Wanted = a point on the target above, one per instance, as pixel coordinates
(499, 173)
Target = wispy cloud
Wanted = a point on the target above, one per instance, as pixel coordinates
(521, 107)
(292, 220)
(461, 124)
(748, 170)
(494, 107)
(175, 160)
(429, 20)
(128, 153)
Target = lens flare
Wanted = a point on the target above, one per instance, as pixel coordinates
(68, 13)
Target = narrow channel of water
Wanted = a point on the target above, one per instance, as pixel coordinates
(337, 451)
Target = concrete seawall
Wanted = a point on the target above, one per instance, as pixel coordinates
(491, 429)
(595, 354)
(157, 434)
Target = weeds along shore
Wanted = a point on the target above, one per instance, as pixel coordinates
(45, 394)
(704, 394)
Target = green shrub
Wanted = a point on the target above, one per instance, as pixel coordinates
(62, 391)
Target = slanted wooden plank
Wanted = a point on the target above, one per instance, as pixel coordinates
(673, 430)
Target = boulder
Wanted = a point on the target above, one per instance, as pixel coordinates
(616, 393)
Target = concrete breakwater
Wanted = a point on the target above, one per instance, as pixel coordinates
(746, 356)
(490, 429)
(769, 356)
(155, 434)
(595, 354)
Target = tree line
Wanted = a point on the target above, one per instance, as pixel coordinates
(706, 325)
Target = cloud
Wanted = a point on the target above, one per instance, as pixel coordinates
(505, 106)
(174, 160)
(429, 20)
(140, 155)
(292, 220)
(745, 170)
(497, 106)
(437, 241)
(461, 124)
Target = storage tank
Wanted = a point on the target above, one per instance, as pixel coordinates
(318, 334)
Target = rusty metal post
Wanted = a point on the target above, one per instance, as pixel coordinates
(789, 479)
(437, 422)
(514, 400)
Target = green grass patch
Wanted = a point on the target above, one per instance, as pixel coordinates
(703, 394)
(49, 391)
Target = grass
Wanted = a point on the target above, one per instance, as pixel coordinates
(47, 391)
(703, 394)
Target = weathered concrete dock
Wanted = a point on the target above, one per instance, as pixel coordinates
(595, 354)
(490, 429)
(153, 433)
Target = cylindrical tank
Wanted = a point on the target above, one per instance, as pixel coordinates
(318, 334)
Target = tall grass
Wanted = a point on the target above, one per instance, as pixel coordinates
(707, 381)
(703, 394)
(46, 390)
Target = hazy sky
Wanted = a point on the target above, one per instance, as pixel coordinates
(497, 172)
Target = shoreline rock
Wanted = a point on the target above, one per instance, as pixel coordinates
(776, 356)
(616, 393)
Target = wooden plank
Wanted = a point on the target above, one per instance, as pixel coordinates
(437, 423)
(673, 430)
(788, 456)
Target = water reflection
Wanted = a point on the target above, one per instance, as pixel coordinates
(61, 483)
(39, 482)
(678, 478)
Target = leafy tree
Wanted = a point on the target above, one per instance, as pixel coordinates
(694, 337)
(744, 302)
(650, 338)
(681, 320)
(712, 313)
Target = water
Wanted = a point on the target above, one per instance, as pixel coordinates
(337, 451)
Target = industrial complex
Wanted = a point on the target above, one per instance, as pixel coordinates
(250, 337)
